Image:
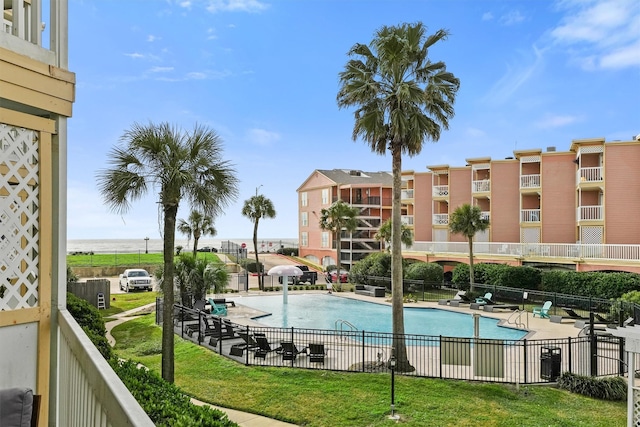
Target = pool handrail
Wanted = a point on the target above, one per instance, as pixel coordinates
(342, 323)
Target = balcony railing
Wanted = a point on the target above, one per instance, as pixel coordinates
(525, 250)
(589, 213)
(530, 215)
(369, 200)
(530, 181)
(406, 219)
(406, 194)
(590, 174)
(440, 219)
(482, 186)
(485, 215)
(90, 393)
(440, 190)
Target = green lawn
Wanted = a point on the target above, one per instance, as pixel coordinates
(128, 301)
(122, 259)
(325, 398)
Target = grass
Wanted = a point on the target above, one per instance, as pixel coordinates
(128, 301)
(126, 259)
(326, 398)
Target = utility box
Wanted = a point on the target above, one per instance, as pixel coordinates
(550, 359)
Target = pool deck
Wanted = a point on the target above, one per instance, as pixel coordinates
(538, 328)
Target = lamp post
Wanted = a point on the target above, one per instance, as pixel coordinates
(392, 366)
(257, 188)
(146, 245)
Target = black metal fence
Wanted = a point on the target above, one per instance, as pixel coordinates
(505, 361)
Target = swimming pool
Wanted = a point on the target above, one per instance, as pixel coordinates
(320, 311)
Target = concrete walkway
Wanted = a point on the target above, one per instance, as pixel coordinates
(243, 419)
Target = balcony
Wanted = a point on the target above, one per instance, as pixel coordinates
(406, 219)
(440, 191)
(482, 186)
(530, 215)
(593, 174)
(367, 201)
(589, 213)
(485, 215)
(530, 181)
(440, 219)
(406, 194)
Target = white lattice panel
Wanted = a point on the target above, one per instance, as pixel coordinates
(636, 407)
(530, 159)
(591, 235)
(530, 235)
(19, 218)
(591, 149)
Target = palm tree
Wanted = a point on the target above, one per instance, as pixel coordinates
(384, 234)
(197, 226)
(468, 220)
(255, 208)
(177, 166)
(401, 100)
(335, 218)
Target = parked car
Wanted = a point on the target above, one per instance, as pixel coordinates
(135, 278)
(332, 276)
(207, 249)
(309, 276)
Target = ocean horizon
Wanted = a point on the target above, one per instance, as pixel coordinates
(157, 245)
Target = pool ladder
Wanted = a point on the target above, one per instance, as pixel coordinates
(516, 319)
(340, 325)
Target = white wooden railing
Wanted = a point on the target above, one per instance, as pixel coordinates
(589, 213)
(590, 174)
(406, 219)
(440, 219)
(525, 250)
(482, 186)
(530, 181)
(485, 215)
(406, 194)
(440, 190)
(530, 215)
(90, 392)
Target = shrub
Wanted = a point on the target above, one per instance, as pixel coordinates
(288, 251)
(90, 320)
(165, 404)
(431, 274)
(252, 267)
(610, 388)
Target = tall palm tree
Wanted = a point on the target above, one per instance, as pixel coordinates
(468, 220)
(256, 208)
(335, 218)
(176, 165)
(384, 234)
(402, 99)
(197, 226)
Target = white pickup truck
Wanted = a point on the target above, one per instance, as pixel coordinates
(135, 278)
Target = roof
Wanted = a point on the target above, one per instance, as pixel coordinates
(358, 177)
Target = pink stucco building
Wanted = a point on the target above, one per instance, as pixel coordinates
(574, 209)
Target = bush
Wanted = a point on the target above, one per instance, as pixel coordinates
(91, 322)
(431, 274)
(590, 284)
(288, 251)
(252, 268)
(165, 404)
(610, 388)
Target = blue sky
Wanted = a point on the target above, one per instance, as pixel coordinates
(264, 75)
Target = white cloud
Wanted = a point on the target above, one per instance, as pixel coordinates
(600, 33)
(151, 38)
(262, 136)
(487, 16)
(211, 34)
(475, 133)
(252, 6)
(552, 122)
(161, 69)
(134, 55)
(516, 76)
(511, 18)
(195, 75)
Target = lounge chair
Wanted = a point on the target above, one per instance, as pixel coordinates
(200, 305)
(264, 347)
(223, 301)
(543, 311)
(317, 353)
(217, 309)
(290, 351)
(486, 299)
(572, 314)
(461, 296)
(493, 307)
(249, 343)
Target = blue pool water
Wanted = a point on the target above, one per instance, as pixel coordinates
(315, 311)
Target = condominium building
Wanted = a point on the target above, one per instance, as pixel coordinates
(43, 348)
(573, 209)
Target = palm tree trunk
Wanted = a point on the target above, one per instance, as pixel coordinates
(170, 213)
(471, 274)
(338, 260)
(195, 247)
(255, 250)
(399, 348)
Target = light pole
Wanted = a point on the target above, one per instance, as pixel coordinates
(257, 188)
(146, 245)
(392, 366)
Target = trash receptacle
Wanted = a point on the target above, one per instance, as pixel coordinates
(550, 358)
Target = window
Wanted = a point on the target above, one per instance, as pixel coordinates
(303, 199)
(325, 196)
(305, 219)
(325, 239)
(304, 239)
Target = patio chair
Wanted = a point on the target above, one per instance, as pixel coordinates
(264, 347)
(249, 343)
(543, 311)
(317, 353)
(290, 351)
(486, 299)
(572, 314)
(217, 309)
